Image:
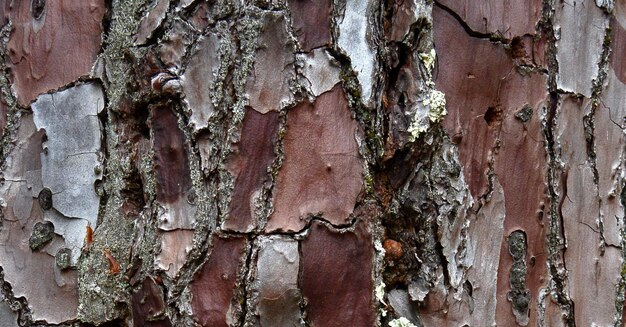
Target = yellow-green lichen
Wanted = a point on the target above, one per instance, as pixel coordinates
(434, 100)
(428, 59)
(380, 296)
(380, 292)
(416, 129)
(401, 322)
(437, 103)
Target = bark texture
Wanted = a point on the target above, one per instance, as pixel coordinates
(312, 163)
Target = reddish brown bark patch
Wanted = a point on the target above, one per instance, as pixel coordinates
(509, 18)
(147, 304)
(268, 86)
(213, 285)
(135, 121)
(482, 88)
(5, 9)
(403, 16)
(201, 15)
(311, 22)
(528, 51)
(489, 102)
(173, 46)
(337, 277)
(175, 245)
(466, 69)
(322, 169)
(618, 50)
(54, 45)
(171, 164)
(249, 163)
(520, 167)
(151, 21)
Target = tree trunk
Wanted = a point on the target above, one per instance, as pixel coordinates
(312, 163)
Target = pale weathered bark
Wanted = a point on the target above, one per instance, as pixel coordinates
(312, 163)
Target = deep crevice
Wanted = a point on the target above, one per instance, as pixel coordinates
(494, 37)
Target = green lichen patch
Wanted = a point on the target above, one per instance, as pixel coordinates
(43, 233)
(519, 296)
(525, 114)
(401, 322)
(63, 258)
(428, 59)
(437, 103)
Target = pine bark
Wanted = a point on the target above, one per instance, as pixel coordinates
(312, 163)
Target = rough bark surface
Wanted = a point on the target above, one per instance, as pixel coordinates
(312, 163)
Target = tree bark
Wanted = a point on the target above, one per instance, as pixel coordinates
(312, 163)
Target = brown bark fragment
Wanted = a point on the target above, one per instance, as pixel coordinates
(522, 151)
(508, 18)
(249, 162)
(151, 21)
(171, 168)
(55, 49)
(469, 72)
(488, 101)
(393, 249)
(5, 11)
(337, 277)
(322, 169)
(147, 304)
(175, 245)
(198, 79)
(268, 85)
(405, 14)
(213, 286)
(175, 43)
(481, 88)
(170, 158)
(201, 15)
(618, 46)
(311, 22)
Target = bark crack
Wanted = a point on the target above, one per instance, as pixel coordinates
(555, 242)
(494, 37)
